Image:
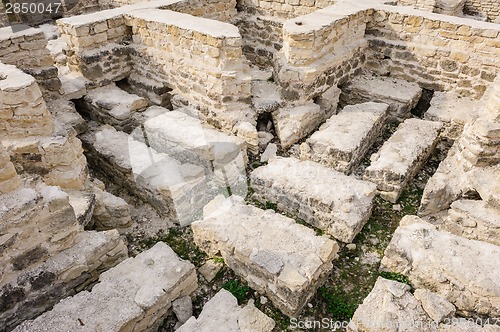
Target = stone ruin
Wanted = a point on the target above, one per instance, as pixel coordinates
(215, 113)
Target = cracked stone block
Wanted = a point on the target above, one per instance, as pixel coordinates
(110, 212)
(188, 139)
(476, 220)
(453, 111)
(83, 204)
(266, 96)
(401, 156)
(343, 140)
(222, 313)
(448, 265)
(486, 181)
(329, 200)
(295, 123)
(390, 304)
(436, 306)
(113, 106)
(401, 96)
(175, 189)
(135, 295)
(284, 260)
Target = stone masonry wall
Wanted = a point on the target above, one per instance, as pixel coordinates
(22, 109)
(27, 50)
(201, 60)
(488, 8)
(439, 52)
(321, 49)
(283, 8)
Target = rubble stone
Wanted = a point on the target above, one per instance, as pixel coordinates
(222, 313)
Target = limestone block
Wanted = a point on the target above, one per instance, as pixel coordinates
(453, 111)
(114, 106)
(390, 304)
(223, 156)
(9, 180)
(60, 275)
(222, 313)
(277, 257)
(175, 189)
(446, 185)
(401, 95)
(447, 265)
(266, 96)
(486, 182)
(436, 306)
(402, 156)
(295, 123)
(476, 220)
(110, 212)
(136, 294)
(329, 100)
(331, 201)
(343, 140)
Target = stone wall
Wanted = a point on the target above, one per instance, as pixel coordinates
(23, 111)
(9, 180)
(438, 52)
(200, 59)
(27, 50)
(321, 49)
(488, 8)
(283, 8)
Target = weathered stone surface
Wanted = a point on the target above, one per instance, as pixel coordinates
(447, 265)
(328, 100)
(476, 220)
(453, 111)
(295, 123)
(222, 313)
(436, 306)
(188, 139)
(402, 156)
(390, 306)
(65, 272)
(210, 269)
(175, 189)
(83, 203)
(135, 295)
(400, 95)
(266, 96)
(277, 257)
(110, 212)
(183, 309)
(486, 181)
(342, 141)
(65, 115)
(334, 202)
(114, 106)
(9, 180)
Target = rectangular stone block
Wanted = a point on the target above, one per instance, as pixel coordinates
(276, 256)
(336, 203)
(402, 156)
(342, 141)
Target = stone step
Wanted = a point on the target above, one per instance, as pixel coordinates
(402, 156)
(453, 111)
(222, 313)
(133, 296)
(476, 220)
(177, 190)
(284, 260)
(113, 106)
(402, 96)
(342, 141)
(329, 200)
(464, 271)
(189, 140)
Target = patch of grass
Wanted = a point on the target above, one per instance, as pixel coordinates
(339, 304)
(396, 277)
(218, 260)
(271, 206)
(239, 291)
